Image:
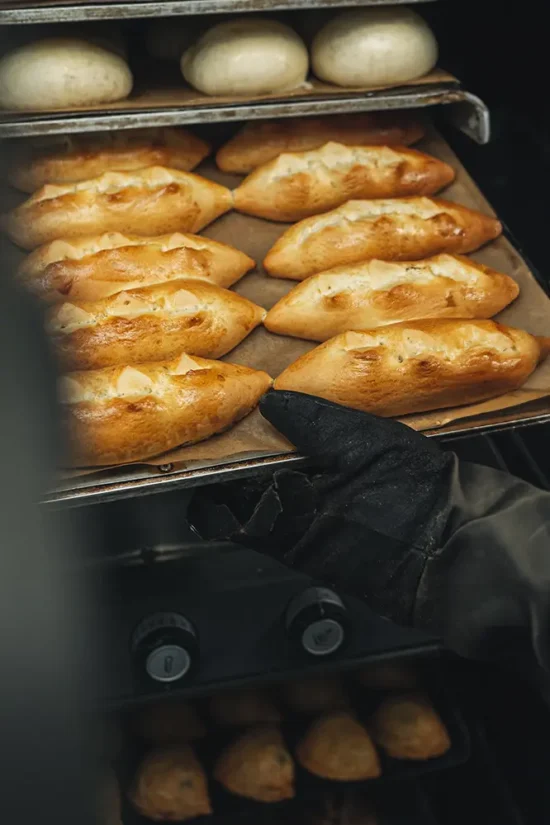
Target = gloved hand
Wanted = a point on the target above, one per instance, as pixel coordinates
(383, 513)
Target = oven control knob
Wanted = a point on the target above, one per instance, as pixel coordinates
(165, 646)
(317, 621)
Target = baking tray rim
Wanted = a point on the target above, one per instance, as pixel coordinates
(52, 12)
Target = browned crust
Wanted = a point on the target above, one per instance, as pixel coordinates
(270, 193)
(62, 275)
(153, 201)
(409, 727)
(261, 141)
(389, 237)
(84, 156)
(337, 746)
(190, 408)
(448, 364)
(317, 309)
(220, 322)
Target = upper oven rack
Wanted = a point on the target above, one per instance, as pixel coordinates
(50, 11)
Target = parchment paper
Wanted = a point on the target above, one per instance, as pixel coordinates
(254, 437)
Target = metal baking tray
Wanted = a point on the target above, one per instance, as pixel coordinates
(52, 11)
(468, 112)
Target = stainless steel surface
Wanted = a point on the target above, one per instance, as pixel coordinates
(70, 13)
(112, 485)
(472, 117)
(23, 125)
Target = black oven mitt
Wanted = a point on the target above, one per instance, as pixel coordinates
(383, 513)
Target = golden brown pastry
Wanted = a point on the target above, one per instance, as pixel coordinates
(388, 676)
(399, 229)
(71, 158)
(243, 707)
(408, 727)
(375, 293)
(315, 694)
(93, 267)
(148, 201)
(110, 812)
(337, 746)
(168, 723)
(296, 185)
(130, 413)
(151, 324)
(262, 140)
(257, 766)
(170, 785)
(417, 366)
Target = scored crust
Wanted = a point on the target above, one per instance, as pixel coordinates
(97, 266)
(417, 366)
(397, 229)
(375, 293)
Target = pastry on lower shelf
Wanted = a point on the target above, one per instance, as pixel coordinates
(409, 727)
(388, 676)
(110, 804)
(260, 141)
(134, 412)
(170, 785)
(315, 694)
(353, 807)
(168, 723)
(243, 707)
(299, 184)
(257, 765)
(151, 324)
(337, 746)
(93, 267)
(417, 366)
(398, 229)
(149, 201)
(373, 294)
(71, 158)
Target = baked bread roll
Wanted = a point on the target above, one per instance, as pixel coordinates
(121, 414)
(375, 293)
(171, 784)
(260, 141)
(59, 73)
(95, 267)
(295, 186)
(417, 366)
(257, 766)
(148, 201)
(246, 56)
(392, 230)
(373, 47)
(409, 727)
(153, 323)
(72, 158)
(243, 707)
(315, 694)
(337, 746)
(168, 723)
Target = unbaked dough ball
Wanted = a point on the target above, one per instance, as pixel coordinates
(374, 47)
(246, 57)
(57, 73)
